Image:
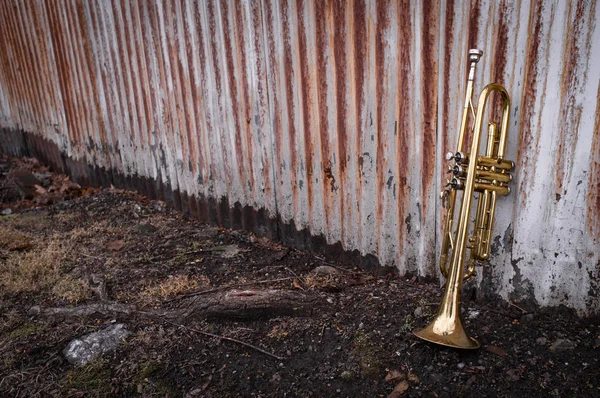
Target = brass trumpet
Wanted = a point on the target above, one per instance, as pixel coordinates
(489, 176)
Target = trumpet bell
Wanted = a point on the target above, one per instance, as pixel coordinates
(448, 332)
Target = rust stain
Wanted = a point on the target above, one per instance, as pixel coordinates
(274, 94)
(404, 122)
(84, 110)
(62, 67)
(573, 82)
(261, 81)
(241, 34)
(327, 180)
(91, 72)
(360, 56)
(429, 73)
(137, 33)
(341, 80)
(474, 21)
(307, 103)
(501, 41)
(383, 23)
(187, 118)
(18, 67)
(288, 94)
(233, 92)
(30, 68)
(448, 43)
(528, 142)
(593, 199)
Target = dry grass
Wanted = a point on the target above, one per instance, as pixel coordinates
(171, 287)
(92, 231)
(34, 270)
(315, 281)
(12, 239)
(71, 290)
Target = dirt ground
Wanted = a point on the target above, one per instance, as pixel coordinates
(329, 331)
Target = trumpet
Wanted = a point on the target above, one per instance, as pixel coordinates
(488, 175)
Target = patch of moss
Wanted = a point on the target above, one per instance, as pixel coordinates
(147, 370)
(367, 354)
(93, 379)
(143, 386)
(27, 329)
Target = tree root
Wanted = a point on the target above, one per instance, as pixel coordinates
(232, 304)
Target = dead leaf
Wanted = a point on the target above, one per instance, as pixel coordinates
(116, 245)
(394, 376)
(399, 390)
(413, 378)
(40, 190)
(297, 284)
(268, 243)
(19, 246)
(496, 350)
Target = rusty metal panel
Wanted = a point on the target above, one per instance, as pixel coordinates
(330, 117)
(353, 93)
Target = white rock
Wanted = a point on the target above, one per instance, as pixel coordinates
(81, 351)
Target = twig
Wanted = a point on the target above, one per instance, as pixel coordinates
(321, 259)
(226, 338)
(160, 257)
(322, 331)
(293, 273)
(216, 249)
(516, 306)
(89, 255)
(216, 289)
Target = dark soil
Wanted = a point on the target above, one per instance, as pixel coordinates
(357, 332)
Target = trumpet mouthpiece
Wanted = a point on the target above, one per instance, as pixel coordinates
(475, 55)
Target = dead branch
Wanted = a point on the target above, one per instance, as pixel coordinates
(216, 289)
(226, 338)
(233, 304)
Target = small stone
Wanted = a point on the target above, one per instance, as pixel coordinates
(418, 312)
(527, 318)
(541, 340)
(496, 350)
(81, 351)
(347, 375)
(399, 390)
(473, 314)
(227, 251)
(195, 392)
(513, 375)
(6, 212)
(325, 270)
(361, 326)
(146, 228)
(562, 345)
(35, 310)
(438, 378)
(460, 365)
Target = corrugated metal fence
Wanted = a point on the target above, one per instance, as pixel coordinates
(322, 122)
